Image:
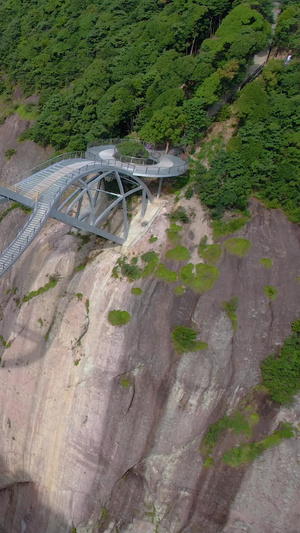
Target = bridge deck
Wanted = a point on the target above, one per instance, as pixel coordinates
(42, 189)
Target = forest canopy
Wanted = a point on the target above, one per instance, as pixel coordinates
(106, 68)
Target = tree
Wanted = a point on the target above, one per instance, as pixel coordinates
(166, 125)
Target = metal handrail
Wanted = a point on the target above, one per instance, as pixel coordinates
(150, 169)
(51, 161)
(153, 155)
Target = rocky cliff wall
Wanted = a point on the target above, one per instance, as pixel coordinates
(81, 450)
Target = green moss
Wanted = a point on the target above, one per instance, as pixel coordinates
(179, 253)
(179, 290)
(211, 253)
(50, 285)
(271, 292)
(246, 453)
(125, 383)
(167, 275)
(225, 228)
(174, 233)
(80, 267)
(268, 263)
(237, 246)
(253, 419)
(230, 309)
(79, 296)
(137, 291)
(208, 462)
(238, 422)
(118, 318)
(203, 280)
(184, 340)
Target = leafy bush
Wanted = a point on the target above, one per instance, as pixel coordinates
(179, 253)
(268, 263)
(237, 246)
(132, 149)
(167, 275)
(185, 340)
(203, 280)
(9, 153)
(211, 253)
(179, 215)
(281, 374)
(179, 290)
(173, 233)
(224, 228)
(118, 318)
(230, 309)
(271, 292)
(130, 270)
(137, 291)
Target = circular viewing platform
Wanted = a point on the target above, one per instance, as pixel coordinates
(157, 164)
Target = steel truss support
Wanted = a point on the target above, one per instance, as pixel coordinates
(87, 200)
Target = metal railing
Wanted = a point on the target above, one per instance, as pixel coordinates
(153, 158)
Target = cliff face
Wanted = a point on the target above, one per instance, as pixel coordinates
(80, 447)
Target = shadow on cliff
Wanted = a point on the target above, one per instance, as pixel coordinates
(24, 359)
(22, 509)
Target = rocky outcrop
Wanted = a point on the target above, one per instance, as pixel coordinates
(99, 456)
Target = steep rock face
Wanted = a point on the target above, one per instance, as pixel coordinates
(28, 154)
(101, 456)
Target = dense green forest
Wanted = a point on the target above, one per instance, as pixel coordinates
(263, 156)
(155, 67)
(106, 68)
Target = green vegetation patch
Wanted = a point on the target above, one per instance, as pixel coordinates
(179, 215)
(50, 285)
(153, 239)
(238, 422)
(132, 149)
(230, 309)
(211, 253)
(174, 233)
(129, 269)
(240, 455)
(118, 317)
(151, 258)
(266, 262)
(203, 280)
(137, 291)
(281, 374)
(237, 246)
(162, 272)
(184, 340)
(80, 267)
(225, 228)
(179, 290)
(271, 292)
(126, 383)
(15, 205)
(179, 253)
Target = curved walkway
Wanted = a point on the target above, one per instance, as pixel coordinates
(42, 187)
